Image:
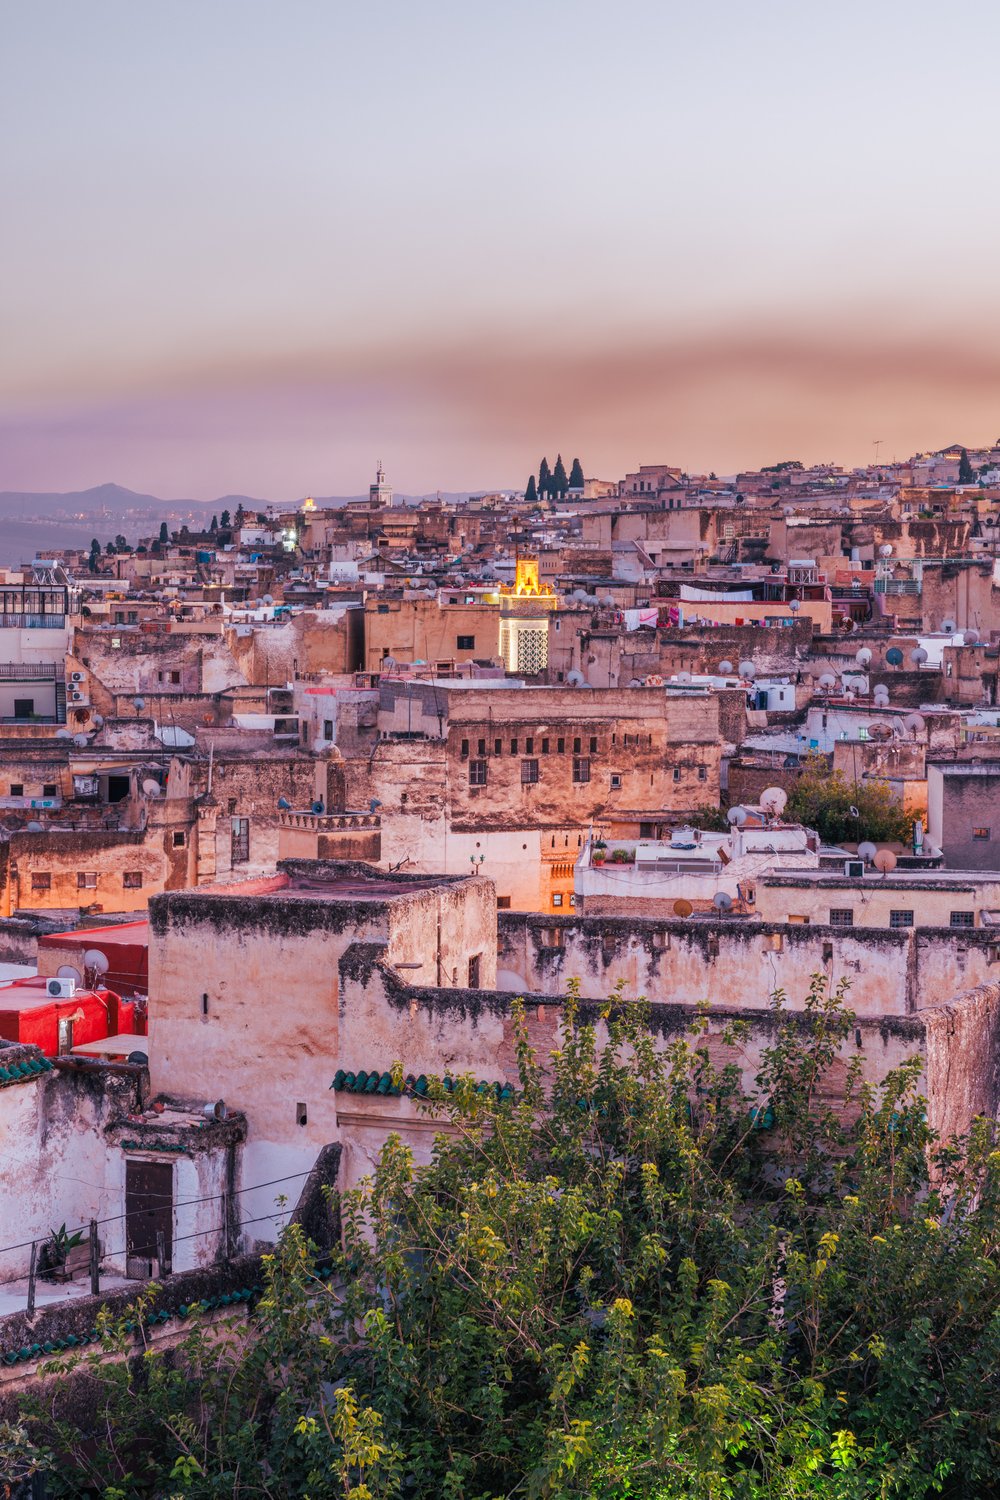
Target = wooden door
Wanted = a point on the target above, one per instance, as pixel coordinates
(149, 1209)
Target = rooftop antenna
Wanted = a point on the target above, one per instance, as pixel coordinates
(877, 445)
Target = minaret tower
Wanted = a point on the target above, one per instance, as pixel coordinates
(380, 493)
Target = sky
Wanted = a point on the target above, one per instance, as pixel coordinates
(251, 247)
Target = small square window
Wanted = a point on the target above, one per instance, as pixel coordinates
(901, 919)
(981, 833)
(175, 677)
(962, 919)
(842, 916)
(529, 772)
(466, 643)
(50, 789)
(179, 839)
(17, 789)
(132, 880)
(503, 903)
(581, 769)
(41, 880)
(557, 899)
(477, 772)
(616, 781)
(86, 880)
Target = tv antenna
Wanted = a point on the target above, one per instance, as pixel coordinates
(877, 443)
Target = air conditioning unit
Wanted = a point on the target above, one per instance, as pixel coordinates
(76, 696)
(60, 989)
(76, 676)
(854, 869)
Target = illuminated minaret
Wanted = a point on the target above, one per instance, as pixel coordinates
(380, 493)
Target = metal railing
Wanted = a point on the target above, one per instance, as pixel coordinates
(32, 622)
(19, 671)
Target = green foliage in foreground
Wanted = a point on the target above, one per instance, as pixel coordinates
(630, 1281)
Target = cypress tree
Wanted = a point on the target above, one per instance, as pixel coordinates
(965, 474)
(225, 520)
(544, 479)
(531, 493)
(560, 484)
(164, 535)
(576, 475)
(215, 524)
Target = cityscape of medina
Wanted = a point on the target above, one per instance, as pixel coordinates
(499, 751)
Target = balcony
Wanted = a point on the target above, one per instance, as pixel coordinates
(32, 622)
(19, 671)
(333, 822)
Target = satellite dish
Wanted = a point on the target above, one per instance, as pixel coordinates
(918, 656)
(915, 722)
(268, 599)
(722, 901)
(867, 851)
(971, 637)
(737, 816)
(575, 678)
(683, 676)
(794, 605)
(284, 805)
(64, 734)
(373, 803)
(69, 971)
(863, 656)
(747, 669)
(725, 667)
(948, 626)
(151, 788)
(80, 740)
(773, 799)
(138, 704)
(894, 656)
(885, 550)
(828, 681)
(96, 960)
(682, 907)
(635, 682)
(885, 861)
(98, 721)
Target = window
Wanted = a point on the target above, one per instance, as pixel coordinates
(498, 747)
(962, 919)
(647, 830)
(475, 960)
(616, 781)
(702, 773)
(86, 880)
(901, 919)
(17, 789)
(581, 769)
(593, 744)
(466, 643)
(482, 747)
(50, 789)
(240, 840)
(503, 903)
(179, 839)
(560, 747)
(132, 880)
(545, 747)
(465, 749)
(577, 745)
(529, 772)
(842, 916)
(477, 772)
(41, 880)
(328, 729)
(513, 747)
(980, 833)
(24, 708)
(175, 677)
(529, 746)
(677, 773)
(557, 899)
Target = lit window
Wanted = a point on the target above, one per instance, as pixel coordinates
(980, 833)
(557, 899)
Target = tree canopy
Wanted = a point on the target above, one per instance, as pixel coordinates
(965, 471)
(643, 1275)
(544, 478)
(843, 811)
(576, 479)
(531, 492)
(560, 483)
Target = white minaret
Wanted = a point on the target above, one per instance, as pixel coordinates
(380, 493)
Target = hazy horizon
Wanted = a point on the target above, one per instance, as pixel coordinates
(253, 249)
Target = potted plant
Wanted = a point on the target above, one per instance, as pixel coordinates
(600, 852)
(63, 1253)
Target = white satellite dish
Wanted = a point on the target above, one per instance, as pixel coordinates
(138, 704)
(575, 678)
(725, 667)
(80, 740)
(96, 960)
(918, 656)
(827, 680)
(747, 669)
(867, 851)
(948, 626)
(151, 788)
(885, 550)
(863, 656)
(268, 599)
(64, 734)
(885, 861)
(33, 827)
(69, 971)
(722, 901)
(683, 676)
(737, 816)
(794, 605)
(915, 721)
(773, 799)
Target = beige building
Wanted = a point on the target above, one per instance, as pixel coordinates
(450, 628)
